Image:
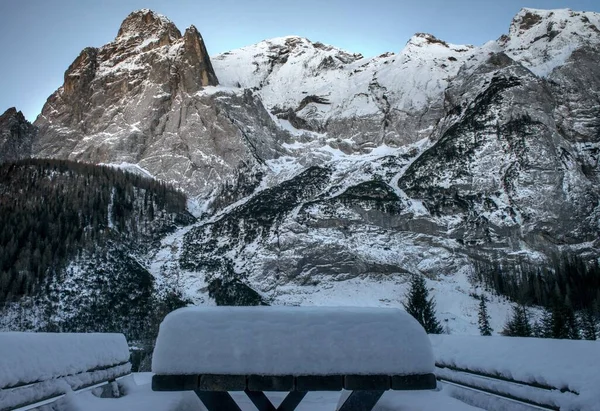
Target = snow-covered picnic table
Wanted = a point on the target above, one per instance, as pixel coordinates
(215, 350)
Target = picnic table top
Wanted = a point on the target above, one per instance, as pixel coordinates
(292, 341)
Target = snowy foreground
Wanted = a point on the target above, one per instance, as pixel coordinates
(570, 367)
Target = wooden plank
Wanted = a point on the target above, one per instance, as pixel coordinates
(498, 376)
(414, 382)
(270, 383)
(320, 383)
(500, 394)
(52, 389)
(77, 374)
(367, 382)
(174, 382)
(216, 382)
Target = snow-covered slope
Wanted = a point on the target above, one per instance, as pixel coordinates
(386, 99)
(542, 40)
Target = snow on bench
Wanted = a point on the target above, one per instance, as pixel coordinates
(38, 366)
(556, 374)
(212, 350)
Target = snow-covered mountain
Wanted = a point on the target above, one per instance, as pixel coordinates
(393, 99)
(323, 177)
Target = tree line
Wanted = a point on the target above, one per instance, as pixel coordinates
(567, 290)
(568, 278)
(560, 320)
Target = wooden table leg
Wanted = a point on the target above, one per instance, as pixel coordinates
(361, 401)
(291, 401)
(217, 400)
(260, 400)
(262, 403)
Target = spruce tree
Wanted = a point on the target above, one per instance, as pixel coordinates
(518, 325)
(543, 327)
(484, 318)
(420, 306)
(572, 324)
(589, 324)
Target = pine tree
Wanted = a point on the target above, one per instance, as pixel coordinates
(484, 318)
(543, 327)
(589, 324)
(518, 325)
(420, 306)
(572, 324)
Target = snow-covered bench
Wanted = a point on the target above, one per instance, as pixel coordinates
(214, 350)
(545, 373)
(38, 368)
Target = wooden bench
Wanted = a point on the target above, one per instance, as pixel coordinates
(216, 350)
(39, 368)
(518, 373)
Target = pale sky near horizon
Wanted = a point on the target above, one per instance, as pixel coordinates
(40, 38)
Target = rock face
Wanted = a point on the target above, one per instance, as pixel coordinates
(16, 136)
(148, 99)
(503, 166)
(509, 172)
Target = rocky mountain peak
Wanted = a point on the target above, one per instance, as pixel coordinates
(10, 113)
(543, 39)
(145, 24)
(16, 135)
(425, 43)
(421, 39)
(533, 25)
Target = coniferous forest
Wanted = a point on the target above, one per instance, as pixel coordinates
(54, 213)
(568, 279)
(568, 291)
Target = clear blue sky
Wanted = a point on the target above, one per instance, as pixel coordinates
(40, 38)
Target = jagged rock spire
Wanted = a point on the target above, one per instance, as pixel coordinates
(16, 136)
(197, 70)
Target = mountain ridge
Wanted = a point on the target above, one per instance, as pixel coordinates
(315, 171)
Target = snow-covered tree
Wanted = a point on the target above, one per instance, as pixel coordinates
(518, 325)
(420, 306)
(484, 318)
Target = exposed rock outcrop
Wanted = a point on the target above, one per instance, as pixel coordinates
(143, 99)
(16, 136)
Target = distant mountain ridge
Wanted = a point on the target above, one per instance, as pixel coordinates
(312, 169)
